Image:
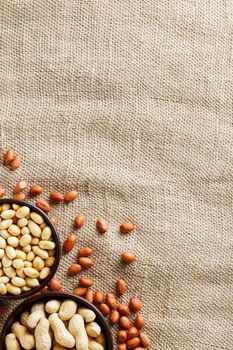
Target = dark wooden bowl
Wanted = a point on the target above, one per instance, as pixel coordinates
(26, 305)
(57, 255)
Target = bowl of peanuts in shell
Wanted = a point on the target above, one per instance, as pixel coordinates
(30, 249)
(56, 321)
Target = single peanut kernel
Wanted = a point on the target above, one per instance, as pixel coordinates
(90, 295)
(55, 285)
(86, 282)
(102, 225)
(139, 322)
(79, 221)
(74, 269)
(80, 291)
(124, 322)
(16, 162)
(43, 205)
(98, 297)
(135, 304)
(128, 257)
(122, 336)
(86, 262)
(121, 286)
(36, 190)
(70, 196)
(85, 252)
(104, 308)
(114, 317)
(56, 197)
(127, 227)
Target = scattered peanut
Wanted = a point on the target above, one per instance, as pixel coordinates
(128, 258)
(70, 196)
(56, 197)
(79, 221)
(36, 190)
(121, 286)
(74, 269)
(102, 225)
(69, 243)
(127, 227)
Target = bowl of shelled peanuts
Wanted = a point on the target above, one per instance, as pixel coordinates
(30, 249)
(56, 321)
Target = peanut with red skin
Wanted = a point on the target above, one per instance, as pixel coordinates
(55, 285)
(16, 162)
(70, 196)
(102, 225)
(122, 336)
(104, 308)
(90, 295)
(56, 197)
(135, 304)
(79, 221)
(111, 300)
(20, 186)
(98, 297)
(128, 257)
(122, 347)
(85, 252)
(9, 156)
(127, 227)
(145, 340)
(74, 269)
(123, 309)
(86, 282)
(114, 317)
(121, 286)
(69, 243)
(43, 205)
(124, 322)
(85, 262)
(133, 343)
(80, 291)
(20, 196)
(139, 322)
(132, 333)
(36, 190)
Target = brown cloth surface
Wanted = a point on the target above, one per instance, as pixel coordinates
(131, 102)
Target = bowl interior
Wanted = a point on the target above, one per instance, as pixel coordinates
(57, 254)
(26, 305)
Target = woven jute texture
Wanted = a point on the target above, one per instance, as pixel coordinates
(131, 103)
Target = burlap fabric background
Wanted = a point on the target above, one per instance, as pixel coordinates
(131, 102)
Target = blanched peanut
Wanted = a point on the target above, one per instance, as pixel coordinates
(11, 342)
(27, 248)
(67, 310)
(32, 282)
(38, 263)
(8, 214)
(3, 289)
(34, 241)
(20, 255)
(27, 264)
(13, 241)
(52, 306)
(50, 261)
(37, 218)
(6, 262)
(4, 224)
(5, 206)
(22, 222)
(77, 329)
(31, 256)
(2, 243)
(93, 329)
(20, 273)
(44, 273)
(34, 228)
(13, 289)
(25, 338)
(4, 234)
(2, 252)
(40, 252)
(37, 312)
(47, 245)
(87, 314)
(18, 281)
(22, 212)
(9, 271)
(10, 252)
(25, 240)
(93, 345)
(61, 334)
(14, 230)
(18, 264)
(46, 233)
(4, 279)
(25, 289)
(42, 336)
(25, 230)
(31, 272)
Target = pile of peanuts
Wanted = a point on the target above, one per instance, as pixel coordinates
(27, 249)
(130, 334)
(56, 325)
